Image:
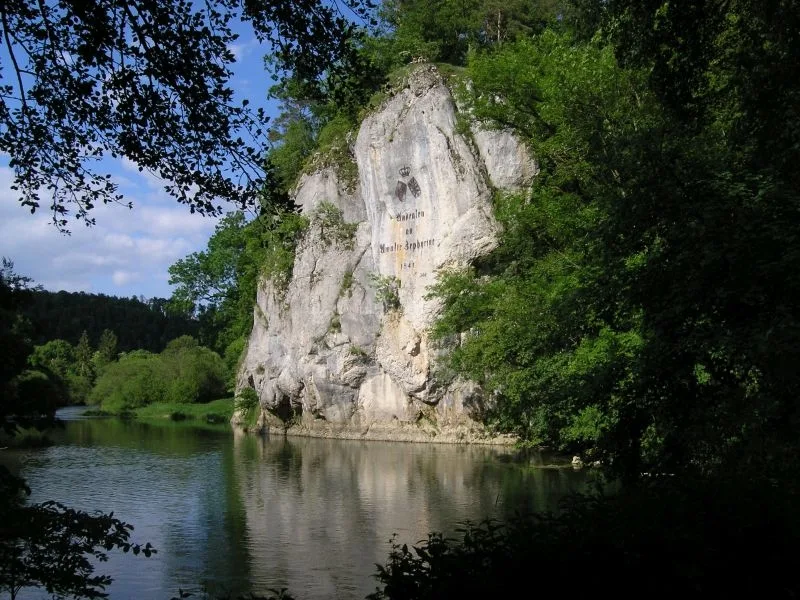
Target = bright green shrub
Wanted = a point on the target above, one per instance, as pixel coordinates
(184, 372)
(130, 383)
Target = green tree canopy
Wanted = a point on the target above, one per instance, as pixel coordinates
(640, 304)
(445, 30)
(57, 356)
(183, 372)
(106, 350)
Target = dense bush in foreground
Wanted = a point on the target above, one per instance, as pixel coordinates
(670, 538)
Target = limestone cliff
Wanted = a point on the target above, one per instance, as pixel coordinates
(343, 351)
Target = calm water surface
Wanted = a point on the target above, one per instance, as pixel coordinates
(238, 513)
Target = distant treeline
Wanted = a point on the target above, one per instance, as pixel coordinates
(139, 323)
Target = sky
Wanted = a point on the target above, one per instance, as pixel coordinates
(127, 253)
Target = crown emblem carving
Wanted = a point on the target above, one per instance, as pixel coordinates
(404, 171)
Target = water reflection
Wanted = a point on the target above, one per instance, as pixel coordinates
(320, 512)
(242, 513)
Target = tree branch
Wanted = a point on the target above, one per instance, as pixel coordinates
(13, 57)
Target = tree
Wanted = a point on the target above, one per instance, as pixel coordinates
(15, 347)
(106, 351)
(640, 304)
(209, 277)
(207, 281)
(218, 284)
(57, 356)
(147, 80)
(65, 315)
(183, 372)
(83, 357)
(447, 29)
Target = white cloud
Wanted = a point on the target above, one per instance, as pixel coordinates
(242, 49)
(123, 278)
(127, 253)
(162, 249)
(86, 259)
(118, 240)
(153, 180)
(175, 221)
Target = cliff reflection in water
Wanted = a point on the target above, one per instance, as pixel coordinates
(320, 512)
(245, 513)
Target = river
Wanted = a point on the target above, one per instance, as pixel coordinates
(241, 513)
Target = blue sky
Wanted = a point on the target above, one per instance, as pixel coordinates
(127, 252)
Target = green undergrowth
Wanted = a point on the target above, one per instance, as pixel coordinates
(727, 538)
(251, 418)
(333, 150)
(247, 404)
(279, 246)
(216, 411)
(333, 228)
(25, 438)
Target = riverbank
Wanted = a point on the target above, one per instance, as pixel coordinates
(214, 412)
(421, 431)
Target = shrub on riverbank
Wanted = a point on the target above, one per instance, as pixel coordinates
(25, 438)
(184, 372)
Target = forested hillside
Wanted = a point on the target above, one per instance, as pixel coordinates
(138, 323)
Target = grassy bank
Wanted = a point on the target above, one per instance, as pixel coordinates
(216, 411)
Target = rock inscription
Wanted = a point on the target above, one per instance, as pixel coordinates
(409, 217)
(402, 186)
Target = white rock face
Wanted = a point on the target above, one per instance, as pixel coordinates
(328, 355)
(508, 162)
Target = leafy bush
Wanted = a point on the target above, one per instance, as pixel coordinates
(246, 400)
(53, 547)
(705, 532)
(247, 404)
(334, 143)
(387, 290)
(41, 392)
(56, 355)
(232, 358)
(358, 352)
(346, 287)
(196, 373)
(184, 372)
(278, 243)
(79, 388)
(333, 228)
(132, 382)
